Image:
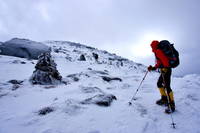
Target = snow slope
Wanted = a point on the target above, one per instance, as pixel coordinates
(20, 104)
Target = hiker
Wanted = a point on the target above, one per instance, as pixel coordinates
(163, 65)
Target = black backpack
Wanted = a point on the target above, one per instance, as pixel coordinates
(169, 50)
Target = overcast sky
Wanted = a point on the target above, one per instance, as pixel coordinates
(125, 27)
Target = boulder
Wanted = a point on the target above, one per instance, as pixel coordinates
(23, 48)
(82, 58)
(96, 56)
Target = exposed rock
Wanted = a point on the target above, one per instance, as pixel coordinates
(55, 99)
(50, 87)
(89, 68)
(18, 62)
(57, 50)
(82, 58)
(64, 81)
(108, 79)
(46, 72)
(15, 81)
(100, 99)
(106, 71)
(96, 56)
(23, 48)
(45, 111)
(22, 62)
(68, 57)
(76, 77)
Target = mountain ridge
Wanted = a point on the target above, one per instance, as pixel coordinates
(94, 96)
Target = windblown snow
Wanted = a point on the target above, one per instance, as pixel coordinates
(70, 107)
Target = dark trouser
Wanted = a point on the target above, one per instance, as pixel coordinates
(165, 79)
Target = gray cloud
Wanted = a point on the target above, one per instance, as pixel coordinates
(107, 24)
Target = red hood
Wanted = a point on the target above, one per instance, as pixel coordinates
(154, 45)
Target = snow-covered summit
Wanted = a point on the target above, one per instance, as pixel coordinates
(73, 51)
(23, 48)
(93, 97)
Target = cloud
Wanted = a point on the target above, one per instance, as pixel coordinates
(117, 26)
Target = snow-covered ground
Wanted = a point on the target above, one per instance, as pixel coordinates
(20, 103)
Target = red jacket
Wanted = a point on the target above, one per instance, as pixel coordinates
(161, 59)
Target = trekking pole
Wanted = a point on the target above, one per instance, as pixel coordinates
(169, 106)
(133, 98)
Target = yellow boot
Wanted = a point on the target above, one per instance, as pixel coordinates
(162, 92)
(171, 97)
(163, 100)
(171, 100)
(171, 107)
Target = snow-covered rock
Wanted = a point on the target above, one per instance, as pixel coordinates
(108, 79)
(16, 81)
(23, 48)
(100, 99)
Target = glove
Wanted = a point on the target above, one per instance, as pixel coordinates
(150, 68)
